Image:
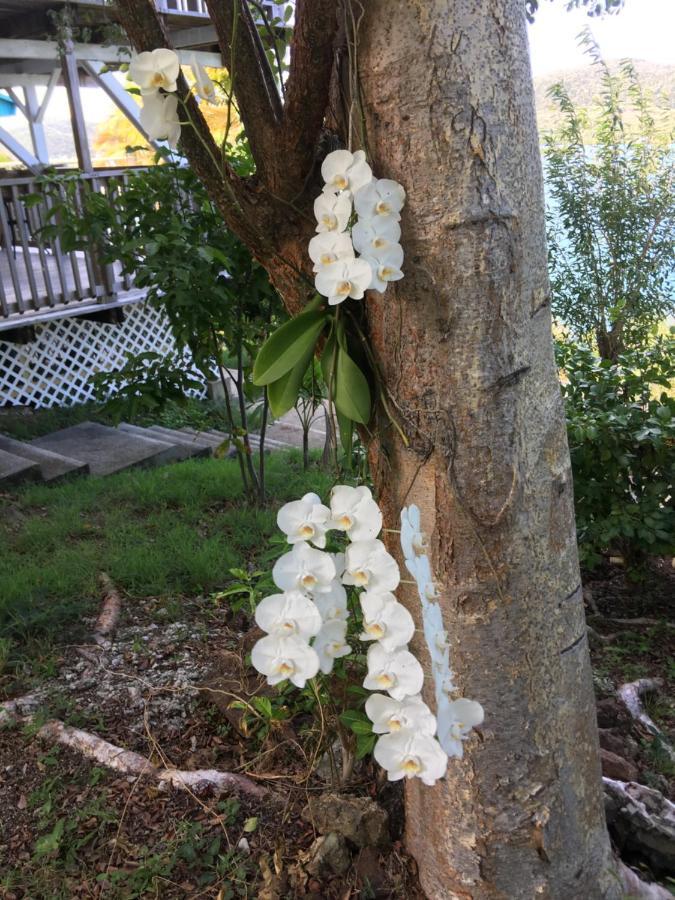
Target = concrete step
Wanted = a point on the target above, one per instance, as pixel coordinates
(176, 450)
(199, 446)
(53, 466)
(106, 450)
(15, 469)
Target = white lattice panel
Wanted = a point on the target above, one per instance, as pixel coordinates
(54, 369)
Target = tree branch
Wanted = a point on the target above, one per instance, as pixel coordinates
(252, 81)
(307, 88)
(230, 193)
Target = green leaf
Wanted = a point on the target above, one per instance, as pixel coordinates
(251, 824)
(48, 843)
(346, 427)
(283, 393)
(285, 347)
(364, 745)
(352, 394)
(356, 721)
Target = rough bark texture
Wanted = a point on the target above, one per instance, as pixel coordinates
(464, 343)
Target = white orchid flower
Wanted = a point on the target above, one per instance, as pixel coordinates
(330, 644)
(398, 673)
(280, 658)
(382, 197)
(339, 560)
(289, 613)
(368, 565)
(411, 713)
(333, 603)
(304, 520)
(413, 542)
(155, 69)
(354, 511)
(386, 268)
(420, 569)
(203, 85)
(374, 237)
(328, 247)
(342, 279)
(304, 569)
(455, 722)
(385, 620)
(333, 211)
(342, 170)
(410, 754)
(159, 117)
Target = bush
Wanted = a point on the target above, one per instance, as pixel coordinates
(621, 429)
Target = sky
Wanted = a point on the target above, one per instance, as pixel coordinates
(643, 29)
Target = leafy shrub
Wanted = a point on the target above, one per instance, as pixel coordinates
(621, 429)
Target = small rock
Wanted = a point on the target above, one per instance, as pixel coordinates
(244, 847)
(616, 743)
(612, 713)
(327, 854)
(359, 819)
(617, 767)
(330, 764)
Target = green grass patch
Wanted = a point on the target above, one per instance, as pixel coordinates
(166, 532)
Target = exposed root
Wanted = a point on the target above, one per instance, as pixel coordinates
(642, 822)
(636, 888)
(106, 623)
(129, 762)
(630, 695)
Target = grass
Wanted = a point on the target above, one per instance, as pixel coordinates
(165, 532)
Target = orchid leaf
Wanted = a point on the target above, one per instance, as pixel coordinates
(285, 347)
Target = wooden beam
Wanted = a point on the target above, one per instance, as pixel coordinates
(20, 79)
(194, 37)
(16, 149)
(121, 98)
(51, 84)
(71, 78)
(37, 129)
(49, 50)
(17, 102)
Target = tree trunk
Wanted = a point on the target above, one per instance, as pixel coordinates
(464, 343)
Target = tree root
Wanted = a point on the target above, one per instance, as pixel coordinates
(638, 889)
(128, 762)
(630, 695)
(642, 822)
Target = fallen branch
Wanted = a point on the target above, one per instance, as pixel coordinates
(642, 822)
(630, 695)
(106, 623)
(641, 620)
(129, 762)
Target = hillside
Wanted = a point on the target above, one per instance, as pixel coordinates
(583, 86)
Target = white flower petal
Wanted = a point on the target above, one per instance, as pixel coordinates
(304, 520)
(407, 754)
(368, 565)
(289, 613)
(386, 620)
(281, 658)
(342, 279)
(455, 721)
(155, 69)
(304, 569)
(332, 604)
(375, 237)
(389, 715)
(333, 211)
(330, 246)
(381, 197)
(330, 644)
(342, 170)
(354, 511)
(398, 673)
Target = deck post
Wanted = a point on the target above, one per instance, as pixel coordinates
(32, 111)
(71, 79)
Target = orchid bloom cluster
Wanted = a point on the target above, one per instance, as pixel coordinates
(306, 628)
(156, 74)
(355, 213)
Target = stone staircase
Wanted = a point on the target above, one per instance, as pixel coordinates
(91, 448)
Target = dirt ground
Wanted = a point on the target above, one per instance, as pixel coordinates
(71, 828)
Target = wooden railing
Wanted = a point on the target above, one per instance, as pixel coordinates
(38, 279)
(186, 7)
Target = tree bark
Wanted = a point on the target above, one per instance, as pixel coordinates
(464, 344)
